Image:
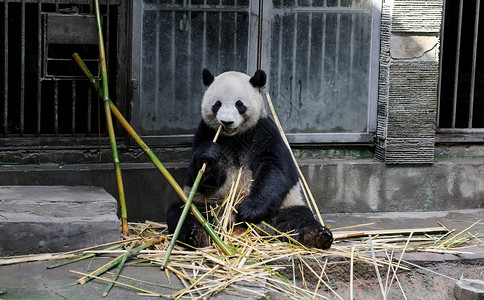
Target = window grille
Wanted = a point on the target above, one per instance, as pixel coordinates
(45, 96)
(461, 93)
(321, 58)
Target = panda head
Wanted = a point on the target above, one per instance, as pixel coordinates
(233, 100)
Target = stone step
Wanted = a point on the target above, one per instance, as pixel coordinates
(40, 219)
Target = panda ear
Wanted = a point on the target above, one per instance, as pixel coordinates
(259, 79)
(207, 77)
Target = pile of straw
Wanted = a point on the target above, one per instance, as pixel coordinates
(263, 263)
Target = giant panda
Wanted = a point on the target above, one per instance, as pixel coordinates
(249, 139)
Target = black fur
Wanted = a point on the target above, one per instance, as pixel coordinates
(262, 151)
(259, 79)
(208, 78)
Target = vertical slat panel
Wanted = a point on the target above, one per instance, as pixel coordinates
(172, 55)
(457, 57)
(439, 92)
(235, 57)
(157, 56)
(39, 64)
(308, 55)
(294, 56)
(5, 72)
(89, 109)
(474, 62)
(73, 118)
(279, 58)
(22, 69)
(323, 51)
(219, 42)
(56, 107)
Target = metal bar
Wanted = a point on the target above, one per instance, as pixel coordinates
(5, 72)
(352, 46)
(460, 130)
(204, 38)
(89, 110)
(173, 57)
(56, 108)
(474, 63)
(323, 53)
(219, 46)
(259, 34)
(439, 93)
(107, 33)
(39, 64)
(279, 59)
(45, 47)
(320, 9)
(456, 71)
(195, 8)
(157, 58)
(235, 58)
(189, 63)
(337, 42)
(308, 60)
(73, 121)
(294, 59)
(22, 70)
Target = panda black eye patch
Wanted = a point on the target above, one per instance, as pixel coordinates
(240, 107)
(216, 106)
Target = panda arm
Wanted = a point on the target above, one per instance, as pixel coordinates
(204, 150)
(274, 174)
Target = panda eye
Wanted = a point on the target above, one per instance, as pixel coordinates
(216, 106)
(240, 107)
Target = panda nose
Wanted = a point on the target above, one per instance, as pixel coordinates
(227, 123)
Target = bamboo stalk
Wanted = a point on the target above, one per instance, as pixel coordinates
(196, 213)
(116, 261)
(281, 131)
(376, 269)
(123, 284)
(109, 121)
(118, 270)
(188, 204)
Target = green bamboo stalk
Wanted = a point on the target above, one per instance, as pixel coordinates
(79, 258)
(118, 270)
(109, 121)
(187, 206)
(198, 215)
(116, 261)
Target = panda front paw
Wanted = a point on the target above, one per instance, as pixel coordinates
(208, 152)
(316, 237)
(249, 213)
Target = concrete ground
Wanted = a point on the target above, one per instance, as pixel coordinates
(34, 281)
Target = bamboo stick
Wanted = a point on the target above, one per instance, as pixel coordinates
(196, 213)
(118, 270)
(188, 204)
(116, 261)
(123, 284)
(109, 121)
(301, 175)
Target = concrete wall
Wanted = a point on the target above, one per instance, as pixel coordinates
(339, 185)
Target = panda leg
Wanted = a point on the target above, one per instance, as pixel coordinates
(309, 231)
(191, 233)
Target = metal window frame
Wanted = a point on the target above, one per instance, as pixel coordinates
(367, 137)
(54, 139)
(453, 134)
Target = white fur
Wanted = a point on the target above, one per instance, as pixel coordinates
(228, 88)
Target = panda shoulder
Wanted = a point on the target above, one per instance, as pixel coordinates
(204, 133)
